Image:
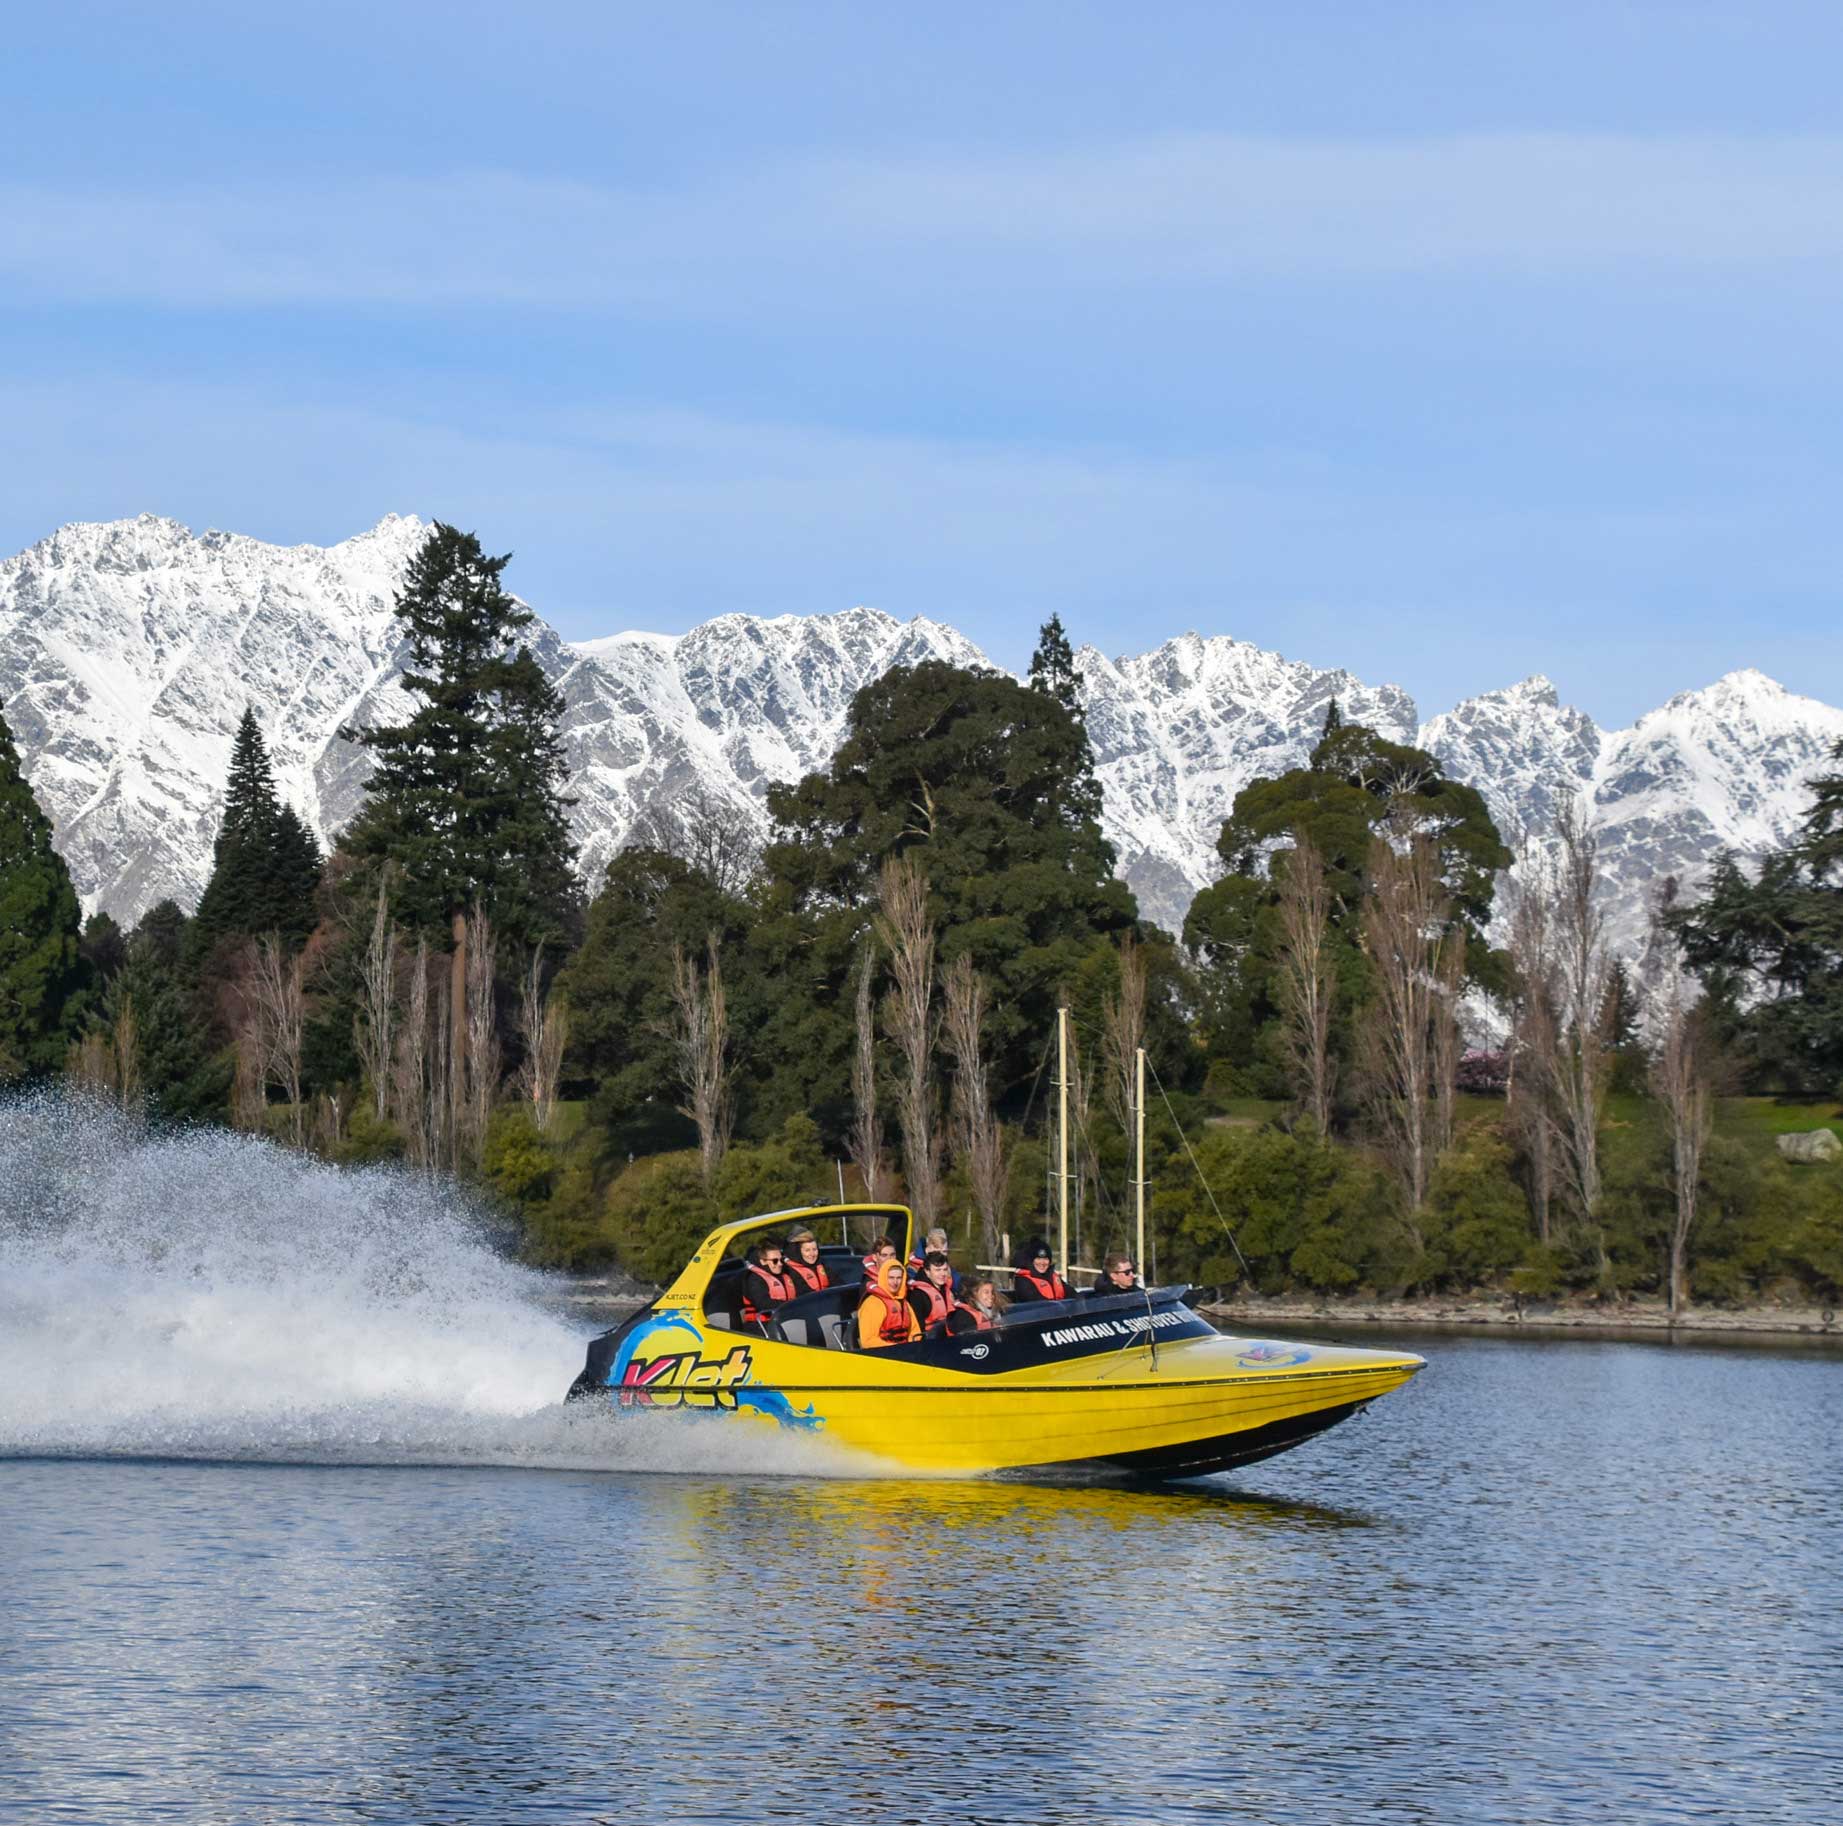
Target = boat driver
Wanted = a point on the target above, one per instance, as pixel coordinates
(1117, 1276)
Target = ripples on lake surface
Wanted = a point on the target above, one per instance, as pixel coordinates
(1546, 1582)
(293, 1528)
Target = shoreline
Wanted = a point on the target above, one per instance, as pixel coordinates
(1639, 1318)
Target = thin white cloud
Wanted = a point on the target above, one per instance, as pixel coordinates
(1155, 211)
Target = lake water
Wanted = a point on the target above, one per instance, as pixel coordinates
(292, 1529)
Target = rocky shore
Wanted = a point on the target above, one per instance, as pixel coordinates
(1498, 1312)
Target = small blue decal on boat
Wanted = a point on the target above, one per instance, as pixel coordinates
(1272, 1356)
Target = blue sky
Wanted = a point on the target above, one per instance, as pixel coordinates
(1448, 343)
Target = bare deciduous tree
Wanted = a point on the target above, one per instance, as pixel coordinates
(1583, 968)
(375, 1017)
(699, 1036)
(412, 1098)
(277, 987)
(1123, 1031)
(907, 935)
(125, 1040)
(1449, 987)
(543, 1025)
(866, 1121)
(1535, 1039)
(977, 1137)
(481, 1065)
(1307, 980)
(1680, 1080)
(716, 836)
(1402, 919)
(90, 1064)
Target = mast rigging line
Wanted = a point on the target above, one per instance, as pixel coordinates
(1197, 1167)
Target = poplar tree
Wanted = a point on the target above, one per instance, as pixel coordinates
(42, 972)
(467, 795)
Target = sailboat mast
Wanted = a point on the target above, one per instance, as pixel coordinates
(1139, 1160)
(1062, 1137)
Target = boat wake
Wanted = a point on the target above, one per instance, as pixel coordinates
(205, 1295)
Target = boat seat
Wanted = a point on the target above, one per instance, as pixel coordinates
(795, 1331)
(721, 1320)
(838, 1331)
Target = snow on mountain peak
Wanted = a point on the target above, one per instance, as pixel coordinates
(129, 648)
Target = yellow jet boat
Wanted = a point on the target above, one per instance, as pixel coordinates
(1135, 1383)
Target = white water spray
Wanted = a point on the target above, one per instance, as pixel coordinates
(209, 1295)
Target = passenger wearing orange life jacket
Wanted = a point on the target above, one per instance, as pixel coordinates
(1035, 1278)
(977, 1312)
(885, 1250)
(766, 1284)
(885, 1317)
(803, 1262)
(932, 1295)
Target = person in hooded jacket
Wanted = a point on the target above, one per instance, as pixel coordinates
(803, 1261)
(885, 1316)
(1034, 1276)
(766, 1284)
(932, 1294)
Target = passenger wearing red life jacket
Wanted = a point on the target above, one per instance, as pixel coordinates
(932, 1296)
(885, 1251)
(803, 1262)
(977, 1312)
(1035, 1278)
(918, 1262)
(766, 1284)
(885, 1317)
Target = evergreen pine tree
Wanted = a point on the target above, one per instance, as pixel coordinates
(1052, 667)
(1334, 720)
(467, 795)
(294, 876)
(42, 973)
(265, 866)
(180, 1078)
(104, 946)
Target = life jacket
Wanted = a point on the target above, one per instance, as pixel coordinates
(940, 1302)
(777, 1288)
(815, 1276)
(1051, 1286)
(982, 1320)
(898, 1316)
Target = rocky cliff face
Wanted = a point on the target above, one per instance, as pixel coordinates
(128, 651)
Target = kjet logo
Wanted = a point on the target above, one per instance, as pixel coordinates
(978, 1352)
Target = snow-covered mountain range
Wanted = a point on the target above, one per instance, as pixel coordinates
(128, 651)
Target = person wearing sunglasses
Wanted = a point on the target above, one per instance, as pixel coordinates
(1117, 1276)
(766, 1284)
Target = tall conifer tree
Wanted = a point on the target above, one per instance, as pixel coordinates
(42, 972)
(1052, 667)
(467, 796)
(265, 866)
